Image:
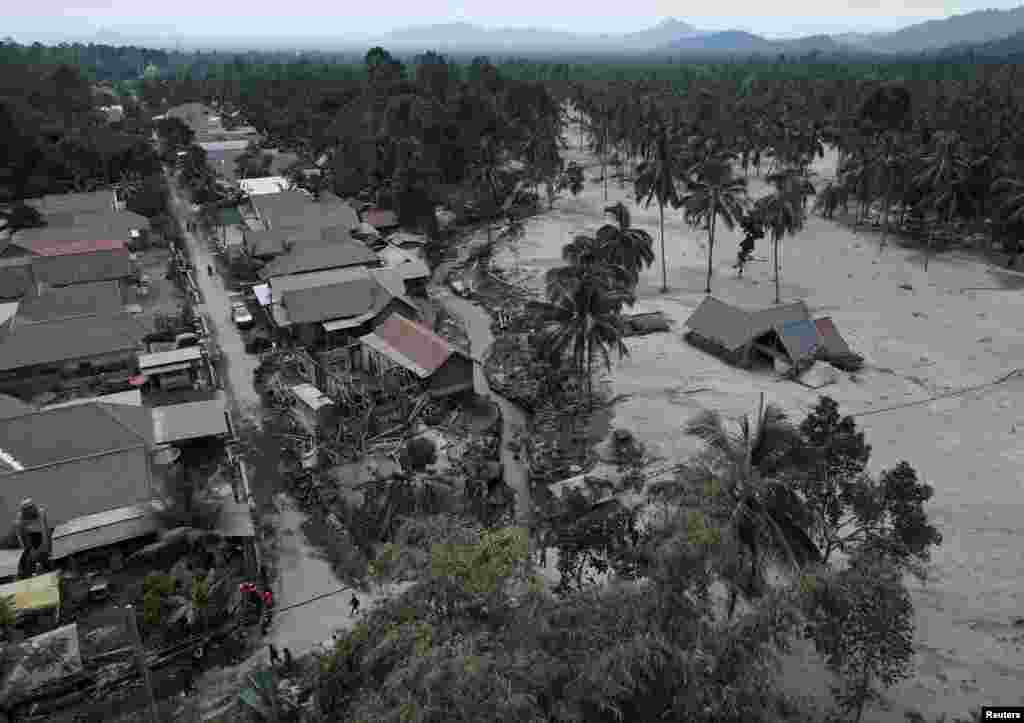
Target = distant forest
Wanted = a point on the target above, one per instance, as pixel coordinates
(126, 66)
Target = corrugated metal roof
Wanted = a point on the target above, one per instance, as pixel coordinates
(100, 297)
(799, 338)
(321, 257)
(764, 320)
(728, 325)
(832, 341)
(52, 247)
(334, 301)
(90, 202)
(193, 420)
(149, 362)
(349, 323)
(41, 592)
(69, 339)
(380, 218)
(412, 345)
(280, 285)
(265, 185)
(83, 268)
(383, 347)
(311, 396)
(221, 146)
(131, 398)
(54, 436)
(103, 528)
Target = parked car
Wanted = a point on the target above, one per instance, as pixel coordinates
(241, 316)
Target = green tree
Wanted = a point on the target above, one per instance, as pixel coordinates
(783, 214)
(711, 195)
(656, 181)
(623, 245)
(945, 168)
(741, 478)
(582, 319)
(862, 620)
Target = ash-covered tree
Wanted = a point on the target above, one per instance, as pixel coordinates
(849, 510)
(862, 620)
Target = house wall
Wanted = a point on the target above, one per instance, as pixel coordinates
(455, 375)
(83, 487)
(51, 376)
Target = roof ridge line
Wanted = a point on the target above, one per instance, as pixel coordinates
(105, 406)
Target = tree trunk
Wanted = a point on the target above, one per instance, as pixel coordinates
(885, 210)
(928, 251)
(604, 163)
(664, 268)
(778, 298)
(711, 247)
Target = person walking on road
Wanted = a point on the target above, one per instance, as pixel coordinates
(354, 602)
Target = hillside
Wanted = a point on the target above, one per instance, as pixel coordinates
(741, 42)
(467, 37)
(728, 41)
(977, 27)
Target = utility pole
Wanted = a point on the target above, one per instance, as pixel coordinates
(140, 660)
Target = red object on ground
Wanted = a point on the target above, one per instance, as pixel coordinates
(138, 380)
(268, 599)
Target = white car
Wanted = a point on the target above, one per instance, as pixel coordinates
(241, 316)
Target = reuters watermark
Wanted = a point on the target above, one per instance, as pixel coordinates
(1002, 712)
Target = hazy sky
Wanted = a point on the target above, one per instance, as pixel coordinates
(42, 19)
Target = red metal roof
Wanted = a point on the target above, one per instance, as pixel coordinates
(416, 342)
(66, 248)
(380, 217)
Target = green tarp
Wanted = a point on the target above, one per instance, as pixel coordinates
(230, 217)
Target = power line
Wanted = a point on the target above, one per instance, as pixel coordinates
(312, 599)
(955, 393)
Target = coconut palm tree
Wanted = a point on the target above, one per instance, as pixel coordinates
(945, 168)
(783, 213)
(711, 195)
(743, 470)
(1011, 208)
(582, 318)
(656, 181)
(624, 246)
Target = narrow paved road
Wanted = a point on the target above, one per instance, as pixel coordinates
(478, 328)
(216, 308)
(302, 572)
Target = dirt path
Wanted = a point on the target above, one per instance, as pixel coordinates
(478, 327)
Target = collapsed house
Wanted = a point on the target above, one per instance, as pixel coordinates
(786, 334)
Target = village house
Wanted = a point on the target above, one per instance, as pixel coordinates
(413, 271)
(441, 369)
(331, 308)
(299, 211)
(309, 256)
(67, 351)
(784, 335)
(77, 460)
